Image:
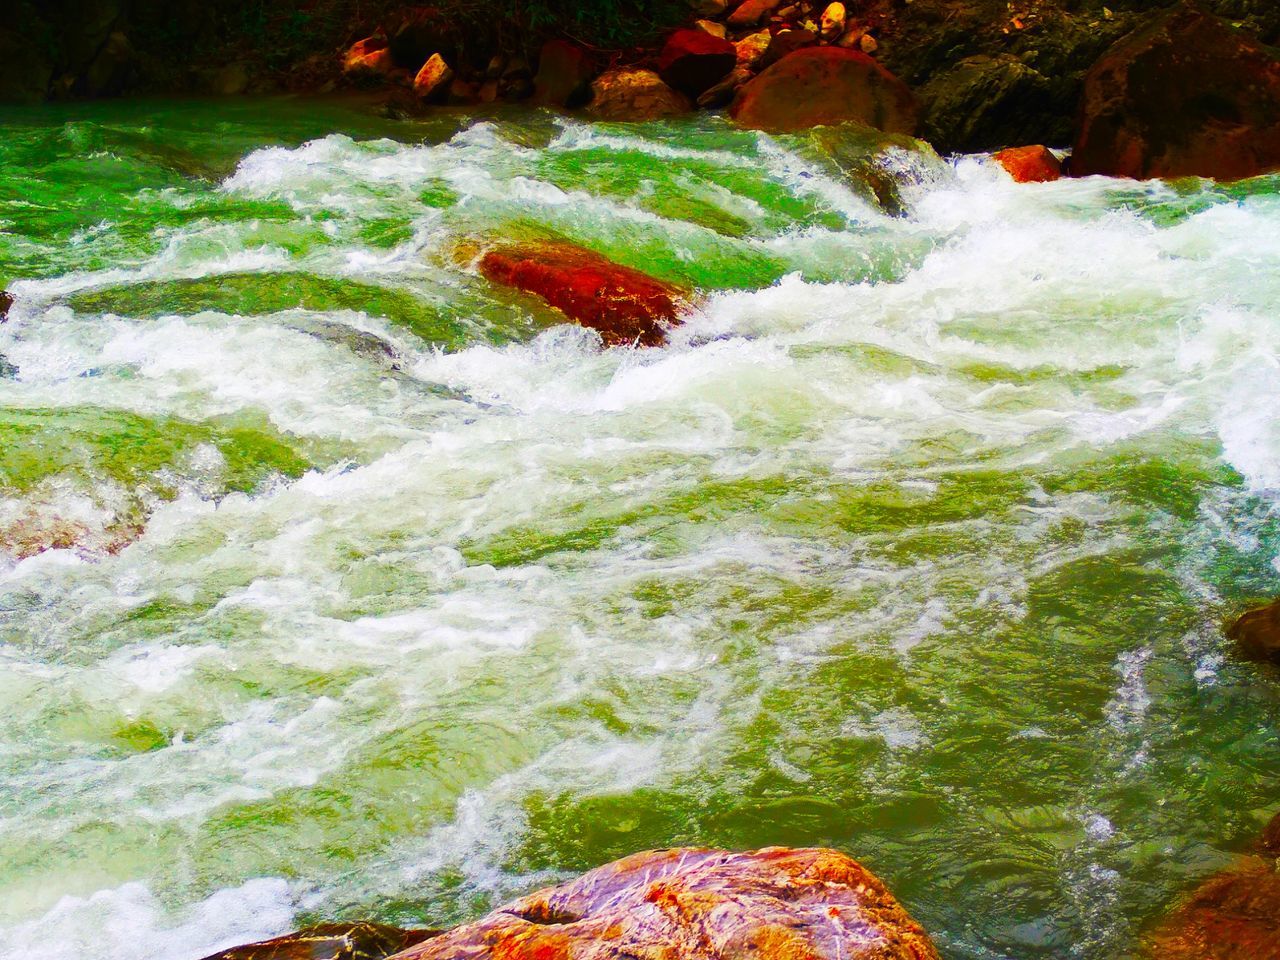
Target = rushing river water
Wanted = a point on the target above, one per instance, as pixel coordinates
(374, 592)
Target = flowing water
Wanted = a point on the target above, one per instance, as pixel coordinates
(337, 583)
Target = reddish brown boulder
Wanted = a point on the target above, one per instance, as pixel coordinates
(623, 305)
(1257, 633)
(692, 904)
(1035, 164)
(369, 58)
(632, 94)
(434, 79)
(825, 85)
(692, 61)
(331, 941)
(786, 42)
(564, 75)
(6, 301)
(1188, 95)
(751, 12)
(1234, 915)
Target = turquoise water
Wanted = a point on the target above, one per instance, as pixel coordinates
(338, 583)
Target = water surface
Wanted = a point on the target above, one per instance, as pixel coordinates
(338, 583)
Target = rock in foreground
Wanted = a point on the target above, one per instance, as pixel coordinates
(1257, 633)
(1033, 164)
(1232, 916)
(825, 85)
(694, 904)
(331, 941)
(1187, 96)
(623, 305)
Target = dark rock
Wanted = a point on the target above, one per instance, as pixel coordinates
(1270, 842)
(1034, 164)
(625, 306)
(1257, 633)
(6, 301)
(724, 91)
(1188, 95)
(785, 42)
(331, 941)
(692, 904)
(692, 61)
(7, 370)
(825, 85)
(420, 32)
(751, 12)
(633, 94)
(986, 102)
(564, 75)
(111, 69)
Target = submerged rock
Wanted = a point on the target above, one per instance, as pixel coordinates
(1188, 95)
(825, 85)
(1234, 915)
(1034, 164)
(632, 94)
(623, 305)
(695, 904)
(692, 61)
(331, 941)
(1257, 634)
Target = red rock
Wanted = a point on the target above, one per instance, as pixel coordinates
(623, 305)
(1234, 915)
(1257, 634)
(693, 904)
(369, 58)
(1035, 164)
(331, 941)
(825, 85)
(692, 61)
(632, 94)
(751, 12)
(564, 75)
(750, 49)
(433, 80)
(1188, 95)
(786, 42)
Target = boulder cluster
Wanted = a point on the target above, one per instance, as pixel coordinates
(1185, 93)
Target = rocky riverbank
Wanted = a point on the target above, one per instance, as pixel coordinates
(967, 75)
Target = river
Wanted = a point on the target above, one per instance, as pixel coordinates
(373, 592)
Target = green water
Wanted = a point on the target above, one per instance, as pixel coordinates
(338, 583)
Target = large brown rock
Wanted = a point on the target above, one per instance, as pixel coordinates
(1234, 915)
(1188, 95)
(693, 61)
(1033, 164)
(634, 94)
(623, 305)
(564, 75)
(693, 904)
(750, 12)
(825, 85)
(1257, 633)
(368, 59)
(331, 941)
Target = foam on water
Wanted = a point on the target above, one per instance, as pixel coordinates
(912, 540)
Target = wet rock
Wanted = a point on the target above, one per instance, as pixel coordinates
(109, 73)
(633, 94)
(1033, 164)
(7, 370)
(693, 904)
(1188, 95)
(6, 301)
(751, 12)
(787, 42)
(433, 81)
(1234, 915)
(693, 61)
(724, 91)
(832, 23)
(331, 941)
(623, 305)
(711, 27)
(986, 102)
(564, 75)
(368, 59)
(752, 48)
(1257, 633)
(825, 85)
